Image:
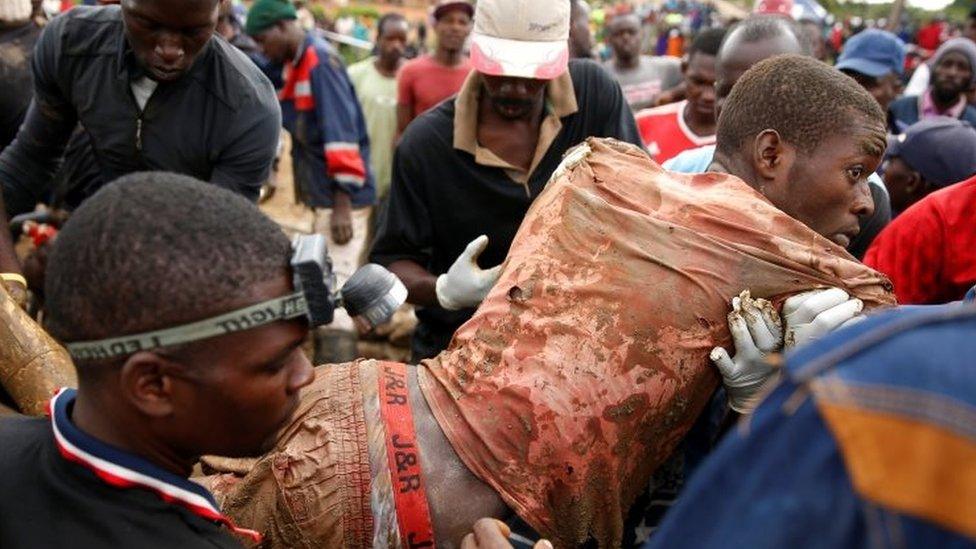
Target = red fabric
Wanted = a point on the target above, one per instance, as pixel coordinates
(423, 82)
(298, 85)
(587, 362)
(403, 453)
(930, 36)
(929, 251)
(664, 133)
(345, 162)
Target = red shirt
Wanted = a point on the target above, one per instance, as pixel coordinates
(665, 133)
(423, 82)
(929, 251)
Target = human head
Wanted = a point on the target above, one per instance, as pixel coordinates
(749, 42)
(807, 137)
(159, 250)
(624, 36)
(452, 24)
(699, 72)
(931, 154)
(391, 37)
(273, 25)
(580, 36)
(813, 36)
(953, 69)
(876, 60)
(166, 36)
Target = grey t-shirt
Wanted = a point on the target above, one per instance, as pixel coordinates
(651, 77)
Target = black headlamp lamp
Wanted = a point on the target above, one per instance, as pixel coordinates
(372, 294)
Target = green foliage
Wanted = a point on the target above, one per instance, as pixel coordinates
(358, 11)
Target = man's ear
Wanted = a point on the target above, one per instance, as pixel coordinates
(147, 383)
(916, 185)
(772, 158)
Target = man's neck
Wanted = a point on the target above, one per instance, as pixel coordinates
(627, 63)
(943, 104)
(388, 67)
(512, 139)
(109, 426)
(448, 58)
(699, 123)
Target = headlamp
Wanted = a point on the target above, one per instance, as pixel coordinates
(372, 294)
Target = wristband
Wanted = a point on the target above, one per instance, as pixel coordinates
(14, 277)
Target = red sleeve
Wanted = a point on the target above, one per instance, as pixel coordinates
(910, 252)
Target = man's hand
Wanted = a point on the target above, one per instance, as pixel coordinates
(756, 331)
(465, 284)
(17, 291)
(493, 534)
(811, 315)
(340, 222)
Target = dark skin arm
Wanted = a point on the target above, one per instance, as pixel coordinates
(456, 497)
(404, 116)
(421, 285)
(340, 222)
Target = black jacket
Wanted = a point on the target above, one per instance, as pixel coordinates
(220, 122)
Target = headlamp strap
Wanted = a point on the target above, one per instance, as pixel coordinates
(281, 308)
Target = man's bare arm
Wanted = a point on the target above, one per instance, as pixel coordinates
(421, 285)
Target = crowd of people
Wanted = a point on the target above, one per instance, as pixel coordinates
(827, 176)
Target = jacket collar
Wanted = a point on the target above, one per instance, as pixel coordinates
(122, 469)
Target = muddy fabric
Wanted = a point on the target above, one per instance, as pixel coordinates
(588, 361)
(313, 489)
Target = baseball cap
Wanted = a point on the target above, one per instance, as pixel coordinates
(941, 148)
(873, 52)
(444, 6)
(773, 7)
(522, 38)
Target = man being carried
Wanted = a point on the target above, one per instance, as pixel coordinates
(154, 90)
(109, 467)
(330, 149)
(467, 171)
(589, 360)
(640, 76)
(671, 129)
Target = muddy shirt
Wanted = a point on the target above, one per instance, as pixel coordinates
(64, 488)
(219, 122)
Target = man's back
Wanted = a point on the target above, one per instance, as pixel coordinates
(218, 122)
(52, 500)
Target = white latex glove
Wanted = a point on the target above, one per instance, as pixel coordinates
(756, 331)
(465, 284)
(811, 315)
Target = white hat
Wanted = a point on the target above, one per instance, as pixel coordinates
(15, 11)
(523, 38)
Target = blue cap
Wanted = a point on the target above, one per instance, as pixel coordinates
(941, 148)
(873, 52)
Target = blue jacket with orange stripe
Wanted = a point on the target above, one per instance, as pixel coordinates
(869, 441)
(330, 147)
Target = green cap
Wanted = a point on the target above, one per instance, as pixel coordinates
(265, 13)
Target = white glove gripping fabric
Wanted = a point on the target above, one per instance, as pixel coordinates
(465, 284)
(756, 331)
(811, 315)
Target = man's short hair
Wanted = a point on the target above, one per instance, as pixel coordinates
(387, 18)
(757, 28)
(154, 250)
(707, 42)
(803, 99)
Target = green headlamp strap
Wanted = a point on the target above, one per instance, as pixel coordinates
(281, 308)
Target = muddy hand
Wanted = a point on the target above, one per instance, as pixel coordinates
(756, 331)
